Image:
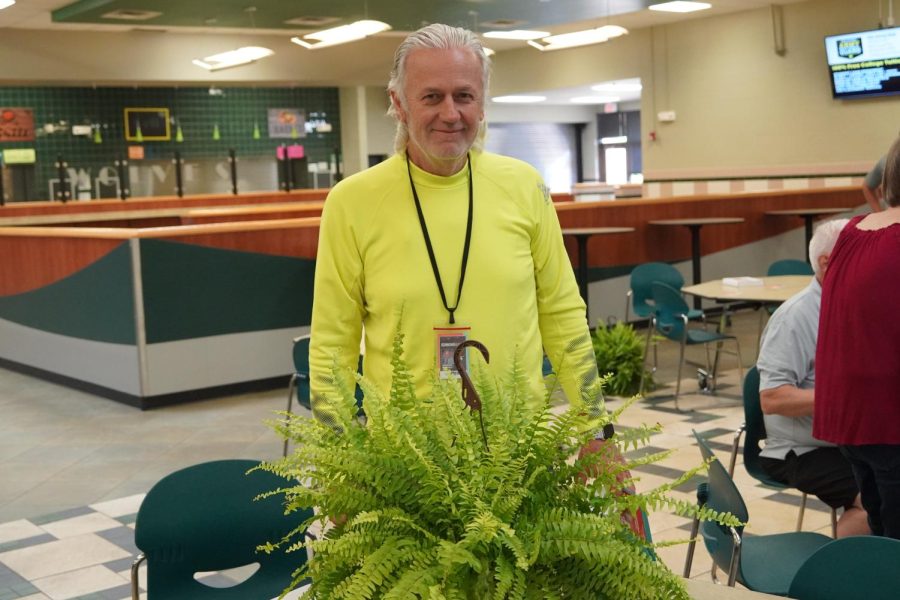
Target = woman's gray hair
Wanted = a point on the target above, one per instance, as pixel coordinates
(823, 241)
(440, 36)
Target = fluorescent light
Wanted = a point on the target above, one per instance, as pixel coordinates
(594, 99)
(488, 51)
(6, 3)
(614, 87)
(516, 34)
(579, 38)
(616, 139)
(681, 6)
(341, 35)
(233, 58)
(518, 99)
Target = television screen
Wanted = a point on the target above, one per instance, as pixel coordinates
(866, 63)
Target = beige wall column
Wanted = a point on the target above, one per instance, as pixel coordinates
(354, 132)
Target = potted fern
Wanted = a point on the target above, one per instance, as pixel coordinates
(433, 505)
(619, 351)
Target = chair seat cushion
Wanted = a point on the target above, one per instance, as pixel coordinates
(769, 562)
(703, 336)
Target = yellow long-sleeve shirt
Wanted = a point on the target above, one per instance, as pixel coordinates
(372, 265)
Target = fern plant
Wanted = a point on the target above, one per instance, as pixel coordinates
(425, 510)
(620, 354)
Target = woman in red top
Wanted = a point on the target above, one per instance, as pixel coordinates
(857, 404)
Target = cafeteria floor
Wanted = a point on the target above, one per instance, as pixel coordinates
(74, 468)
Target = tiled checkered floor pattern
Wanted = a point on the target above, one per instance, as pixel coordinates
(85, 553)
(60, 448)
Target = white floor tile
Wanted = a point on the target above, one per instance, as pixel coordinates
(18, 530)
(61, 556)
(88, 523)
(120, 507)
(78, 583)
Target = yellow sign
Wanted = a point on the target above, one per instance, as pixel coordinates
(19, 156)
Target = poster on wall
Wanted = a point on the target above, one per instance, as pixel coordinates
(287, 123)
(147, 124)
(16, 125)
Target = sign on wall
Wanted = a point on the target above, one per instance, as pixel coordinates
(16, 125)
(287, 123)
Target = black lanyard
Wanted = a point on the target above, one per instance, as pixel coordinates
(465, 256)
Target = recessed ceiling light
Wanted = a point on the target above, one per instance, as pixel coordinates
(516, 34)
(617, 87)
(594, 99)
(681, 6)
(615, 139)
(488, 51)
(578, 38)
(6, 3)
(518, 99)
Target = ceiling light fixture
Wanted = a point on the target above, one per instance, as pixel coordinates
(578, 38)
(594, 99)
(341, 35)
(681, 6)
(518, 99)
(516, 34)
(233, 58)
(6, 3)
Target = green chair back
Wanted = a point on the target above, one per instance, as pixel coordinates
(301, 369)
(767, 563)
(642, 276)
(789, 266)
(755, 430)
(204, 518)
(860, 567)
(669, 305)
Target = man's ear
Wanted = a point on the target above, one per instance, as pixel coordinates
(398, 107)
(822, 261)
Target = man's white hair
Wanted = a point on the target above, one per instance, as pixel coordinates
(823, 241)
(440, 36)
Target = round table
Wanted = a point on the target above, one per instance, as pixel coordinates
(582, 235)
(808, 215)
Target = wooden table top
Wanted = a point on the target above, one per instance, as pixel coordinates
(596, 230)
(698, 221)
(802, 212)
(773, 289)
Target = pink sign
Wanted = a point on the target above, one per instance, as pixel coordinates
(294, 151)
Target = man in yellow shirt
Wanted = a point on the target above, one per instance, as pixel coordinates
(445, 241)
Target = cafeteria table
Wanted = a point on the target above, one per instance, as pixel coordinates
(808, 214)
(694, 225)
(582, 235)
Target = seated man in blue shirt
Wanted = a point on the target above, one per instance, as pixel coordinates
(786, 366)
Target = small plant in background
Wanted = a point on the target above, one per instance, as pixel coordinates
(427, 509)
(620, 354)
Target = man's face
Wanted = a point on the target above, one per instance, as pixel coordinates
(444, 107)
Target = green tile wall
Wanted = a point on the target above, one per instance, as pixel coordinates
(235, 110)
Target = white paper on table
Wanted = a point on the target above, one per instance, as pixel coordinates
(742, 281)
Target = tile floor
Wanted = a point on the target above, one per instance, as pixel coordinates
(74, 468)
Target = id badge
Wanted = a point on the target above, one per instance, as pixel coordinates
(446, 340)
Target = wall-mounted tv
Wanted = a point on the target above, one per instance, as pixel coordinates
(866, 63)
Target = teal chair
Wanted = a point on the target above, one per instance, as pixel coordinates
(204, 518)
(639, 295)
(671, 320)
(755, 428)
(639, 298)
(852, 568)
(299, 382)
(762, 563)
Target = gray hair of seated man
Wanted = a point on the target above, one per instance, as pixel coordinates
(823, 241)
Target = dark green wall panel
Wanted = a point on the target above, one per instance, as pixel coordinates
(95, 303)
(235, 110)
(193, 291)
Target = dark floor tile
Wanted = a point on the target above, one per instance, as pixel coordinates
(65, 514)
(123, 537)
(24, 543)
(794, 498)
